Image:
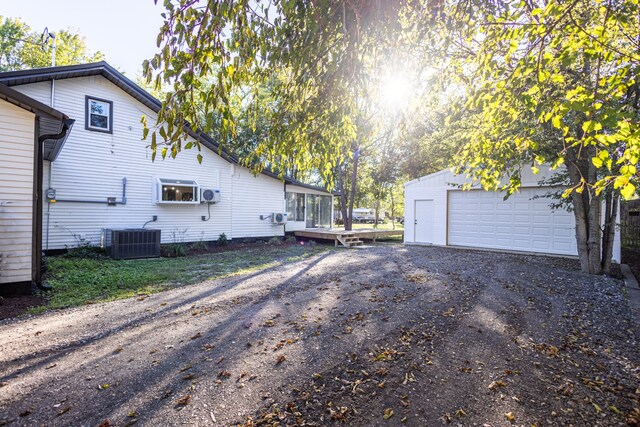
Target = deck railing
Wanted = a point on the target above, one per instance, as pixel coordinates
(630, 235)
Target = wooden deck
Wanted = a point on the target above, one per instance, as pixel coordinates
(347, 238)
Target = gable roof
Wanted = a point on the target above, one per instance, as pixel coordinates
(53, 125)
(36, 75)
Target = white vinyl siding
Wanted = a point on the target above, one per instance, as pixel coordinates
(254, 196)
(92, 164)
(16, 193)
(482, 219)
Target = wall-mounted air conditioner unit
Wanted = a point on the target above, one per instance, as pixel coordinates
(278, 218)
(209, 195)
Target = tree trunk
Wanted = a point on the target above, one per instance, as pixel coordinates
(393, 211)
(586, 209)
(343, 199)
(352, 192)
(377, 214)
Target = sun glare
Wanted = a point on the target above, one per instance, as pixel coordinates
(395, 91)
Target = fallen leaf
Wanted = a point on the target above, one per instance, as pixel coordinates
(105, 423)
(281, 359)
(496, 384)
(103, 386)
(64, 410)
(510, 416)
(224, 374)
(387, 413)
(461, 413)
(184, 400)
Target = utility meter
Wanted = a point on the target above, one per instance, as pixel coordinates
(50, 194)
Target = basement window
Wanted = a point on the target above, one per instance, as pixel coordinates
(177, 191)
(98, 115)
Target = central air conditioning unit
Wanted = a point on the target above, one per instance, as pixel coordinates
(208, 195)
(132, 243)
(278, 218)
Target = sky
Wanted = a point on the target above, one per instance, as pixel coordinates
(125, 31)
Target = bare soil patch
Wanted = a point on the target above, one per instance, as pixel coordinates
(18, 305)
(389, 336)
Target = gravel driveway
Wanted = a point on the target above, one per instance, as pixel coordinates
(390, 335)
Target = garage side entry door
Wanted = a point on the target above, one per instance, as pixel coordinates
(423, 222)
(482, 219)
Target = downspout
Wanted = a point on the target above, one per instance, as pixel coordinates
(53, 91)
(66, 125)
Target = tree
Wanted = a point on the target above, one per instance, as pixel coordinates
(547, 81)
(22, 48)
(555, 82)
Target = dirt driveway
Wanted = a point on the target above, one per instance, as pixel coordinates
(390, 335)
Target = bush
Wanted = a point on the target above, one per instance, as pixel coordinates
(90, 252)
(275, 241)
(200, 245)
(291, 239)
(222, 240)
(173, 250)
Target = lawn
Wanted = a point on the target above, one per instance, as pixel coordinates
(78, 281)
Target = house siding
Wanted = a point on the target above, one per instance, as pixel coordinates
(254, 196)
(16, 192)
(438, 187)
(91, 166)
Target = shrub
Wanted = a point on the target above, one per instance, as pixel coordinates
(200, 245)
(291, 239)
(173, 250)
(90, 252)
(222, 240)
(275, 241)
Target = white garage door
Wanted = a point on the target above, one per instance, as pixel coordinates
(482, 219)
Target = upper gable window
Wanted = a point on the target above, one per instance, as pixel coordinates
(98, 114)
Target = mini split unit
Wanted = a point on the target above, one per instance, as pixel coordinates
(278, 218)
(208, 195)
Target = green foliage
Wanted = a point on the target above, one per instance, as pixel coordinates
(173, 250)
(21, 47)
(274, 241)
(85, 251)
(200, 245)
(553, 85)
(222, 240)
(291, 239)
(317, 60)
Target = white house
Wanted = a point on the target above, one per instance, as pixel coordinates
(438, 212)
(29, 132)
(104, 178)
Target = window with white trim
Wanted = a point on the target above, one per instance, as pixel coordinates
(177, 191)
(98, 114)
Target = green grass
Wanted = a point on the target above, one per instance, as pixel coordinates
(79, 281)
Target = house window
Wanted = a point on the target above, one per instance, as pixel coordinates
(98, 114)
(295, 206)
(177, 191)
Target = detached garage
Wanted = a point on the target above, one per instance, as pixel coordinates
(437, 212)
